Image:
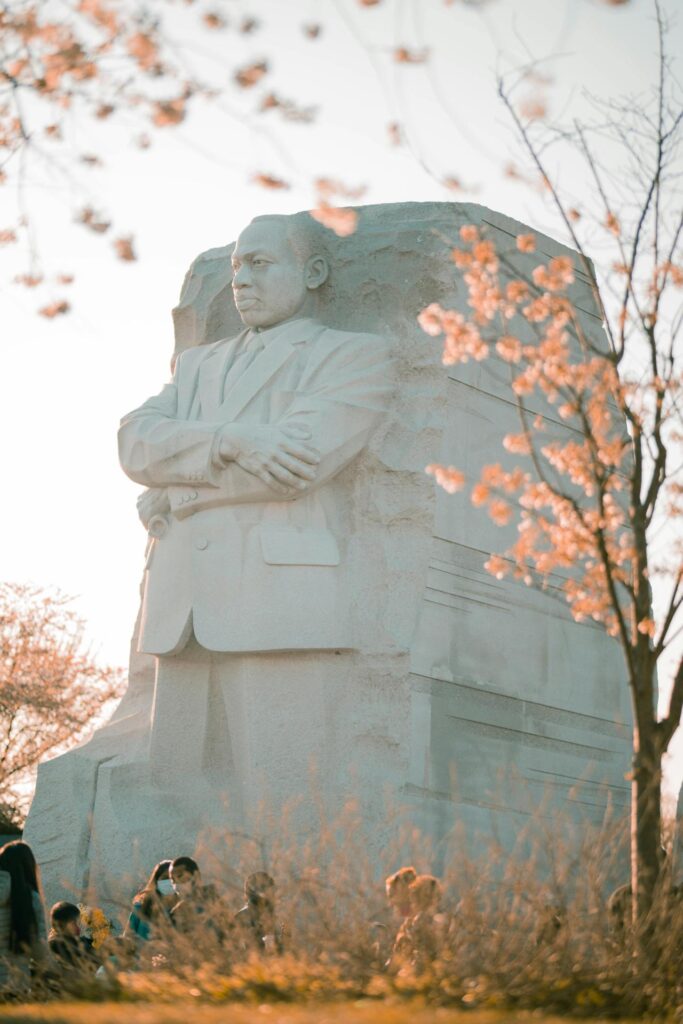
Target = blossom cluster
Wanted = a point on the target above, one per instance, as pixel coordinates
(569, 497)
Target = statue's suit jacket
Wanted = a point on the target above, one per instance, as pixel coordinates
(245, 568)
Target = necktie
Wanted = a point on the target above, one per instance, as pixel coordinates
(251, 347)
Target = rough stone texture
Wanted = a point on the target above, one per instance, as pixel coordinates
(468, 699)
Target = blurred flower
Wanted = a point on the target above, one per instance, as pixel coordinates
(342, 220)
(251, 74)
(526, 243)
(448, 477)
(124, 248)
(268, 181)
(54, 309)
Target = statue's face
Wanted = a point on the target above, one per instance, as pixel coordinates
(270, 284)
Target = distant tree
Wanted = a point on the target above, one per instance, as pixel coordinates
(593, 478)
(52, 692)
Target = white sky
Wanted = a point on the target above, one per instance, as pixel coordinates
(69, 515)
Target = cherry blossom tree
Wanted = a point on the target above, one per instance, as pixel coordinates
(103, 65)
(52, 691)
(83, 60)
(593, 480)
(108, 65)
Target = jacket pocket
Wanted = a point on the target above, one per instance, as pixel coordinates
(285, 545)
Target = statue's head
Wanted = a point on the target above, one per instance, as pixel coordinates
(279, 263)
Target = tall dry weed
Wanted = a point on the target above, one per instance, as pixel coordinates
(527, 927)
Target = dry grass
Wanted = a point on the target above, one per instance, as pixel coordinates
(190, 1013)
(527, 930)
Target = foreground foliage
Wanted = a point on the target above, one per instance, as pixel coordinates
(534, 929)
(360, 1012)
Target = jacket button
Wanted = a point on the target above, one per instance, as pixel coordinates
(201, 543)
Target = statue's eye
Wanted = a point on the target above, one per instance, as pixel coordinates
(259, 262)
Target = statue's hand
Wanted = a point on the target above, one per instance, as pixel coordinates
(153, 502)
(279, 456)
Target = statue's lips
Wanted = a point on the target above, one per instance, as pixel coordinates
(244, 301)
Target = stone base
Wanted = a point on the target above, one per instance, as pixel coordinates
(277, 738)
(459, 764)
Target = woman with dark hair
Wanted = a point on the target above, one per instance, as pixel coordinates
(22, 917)
(153, 903)
(24, 853)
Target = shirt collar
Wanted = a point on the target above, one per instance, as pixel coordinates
(265, 334)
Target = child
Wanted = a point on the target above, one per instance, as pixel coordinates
(71, 951)
(420, 937)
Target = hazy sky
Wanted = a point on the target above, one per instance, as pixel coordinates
(69, 512)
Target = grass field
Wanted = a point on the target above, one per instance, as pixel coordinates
(365, 1012)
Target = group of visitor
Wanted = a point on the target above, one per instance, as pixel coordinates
(175, 897)
(26, 947)
(174, 902)
(415, 901)
(173, 905)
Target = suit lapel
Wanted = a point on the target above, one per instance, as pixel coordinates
(276, 352)
(212, 375)
(187, 376)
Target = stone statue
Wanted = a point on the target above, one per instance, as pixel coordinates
(248, 542)
(315, 614)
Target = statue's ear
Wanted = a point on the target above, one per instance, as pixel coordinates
(316, 272)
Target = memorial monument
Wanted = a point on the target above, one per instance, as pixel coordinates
(311, 603)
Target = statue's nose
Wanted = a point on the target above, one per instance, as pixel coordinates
(240, 277)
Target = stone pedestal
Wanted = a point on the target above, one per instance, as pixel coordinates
(467, 700)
